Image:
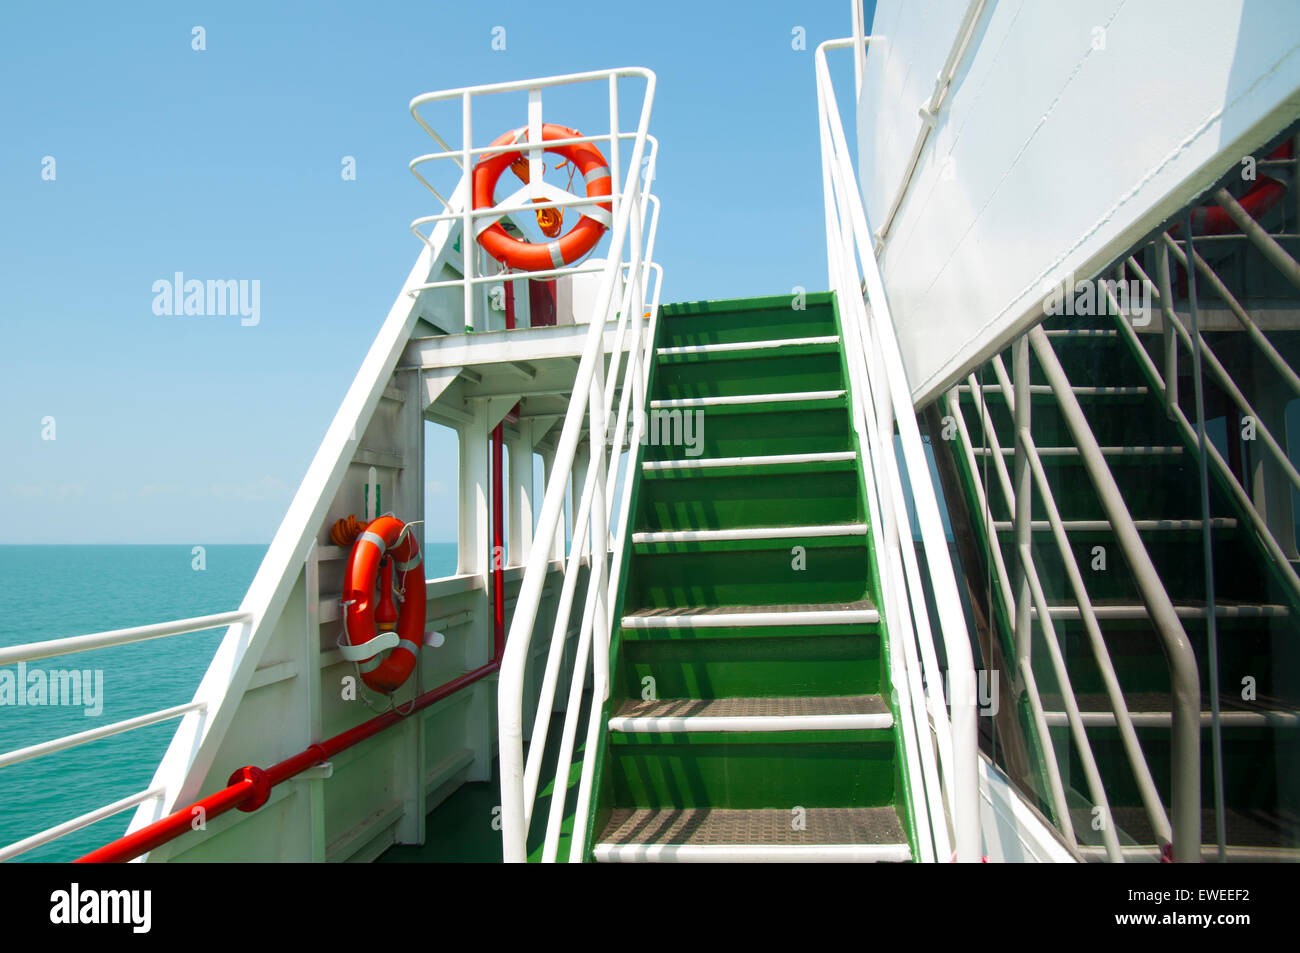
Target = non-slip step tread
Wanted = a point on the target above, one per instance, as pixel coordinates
(862, 612)
(767, 827)
(754, 707)
(1243, 827)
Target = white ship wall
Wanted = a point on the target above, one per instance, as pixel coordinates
(1071, 130)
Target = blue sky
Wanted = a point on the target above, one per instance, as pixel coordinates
(225, 163)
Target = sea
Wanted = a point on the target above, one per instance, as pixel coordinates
(56, 591)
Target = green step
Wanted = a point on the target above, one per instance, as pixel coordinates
(1096, 362)
(733, 430)
(1177, 555)
(715, 354)
(837, 835)
(753, 319)
(763, 373)
(754, 662)
(752, 714)
(1255, 639)
(753, 770)
(1117, 419)
(1256, 765)
(748, 597)
(722, 575)
(1246, 651)
(1153, 487)
(768, 496)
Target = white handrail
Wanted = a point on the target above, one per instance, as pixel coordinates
(32, 651)
(94, 734)
(876, 363)
(593, 392)
(53, 648)
(77, 823)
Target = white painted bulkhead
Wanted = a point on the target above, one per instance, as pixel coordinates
(1069, 130)
(1013, 831)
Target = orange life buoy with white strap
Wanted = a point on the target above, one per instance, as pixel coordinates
(568, 248)
(383, 548)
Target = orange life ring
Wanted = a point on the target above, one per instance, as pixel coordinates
(568, 248)
(383, 546)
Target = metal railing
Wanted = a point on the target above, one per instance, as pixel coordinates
(1019, 589)
(1180, 336)
(591, 405)
(250, 790)
(1025, 602)
(940, 735)
(54, 648)
(250, 787)
(1277, 476)
(1273, 529)
(476, 267)
(1177, 337)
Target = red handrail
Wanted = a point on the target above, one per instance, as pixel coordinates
(249, 787)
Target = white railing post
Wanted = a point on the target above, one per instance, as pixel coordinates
(588, 402)
(467, 243)
(198, 709)
(960, 778)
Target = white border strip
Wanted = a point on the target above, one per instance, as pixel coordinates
(703, 463)
(720, 620)
(745, 345)
(746, 399)
(751, 532)
(655, 724)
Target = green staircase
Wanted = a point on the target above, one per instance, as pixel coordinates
(750, 713)
(1256, 623)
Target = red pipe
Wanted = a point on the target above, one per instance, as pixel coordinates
(498, 549)
(253, 786)
(498, 514)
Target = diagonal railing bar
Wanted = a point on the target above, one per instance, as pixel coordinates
(1166, 385)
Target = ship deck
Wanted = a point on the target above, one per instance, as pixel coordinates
(464, 828)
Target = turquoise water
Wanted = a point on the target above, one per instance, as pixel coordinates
(57, 591)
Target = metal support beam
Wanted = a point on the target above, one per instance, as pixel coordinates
(520, 490)
(1183, 675)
